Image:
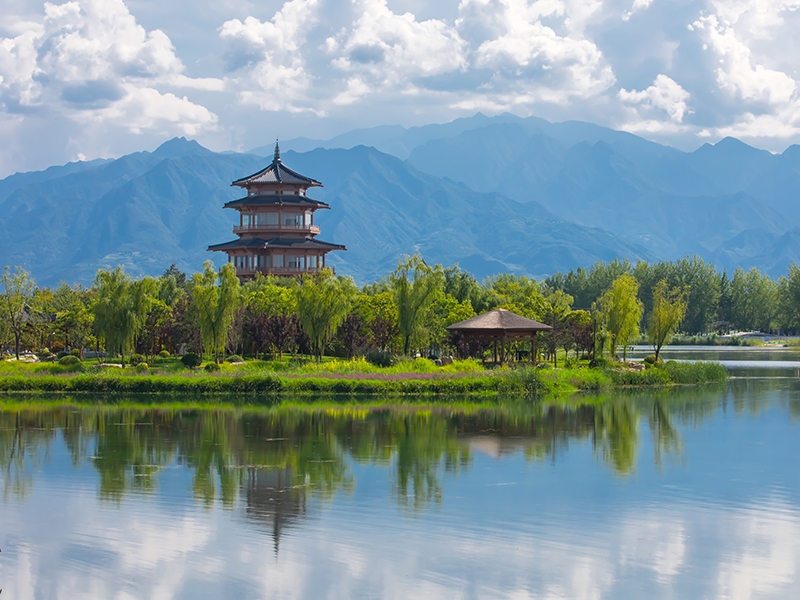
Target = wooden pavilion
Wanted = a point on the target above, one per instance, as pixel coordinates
(277, 233)
(501, 325)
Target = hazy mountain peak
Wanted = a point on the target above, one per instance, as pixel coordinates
(180, 146)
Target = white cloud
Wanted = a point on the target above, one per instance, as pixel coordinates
(636, 7)
(529, 58)
(395, 49)
(90, 61)
(752, 42)
(737, 73)
(275, 77)
(664, 94)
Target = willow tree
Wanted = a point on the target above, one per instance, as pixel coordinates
(121, 307)
(18, 288)
(323, 303)
(669, 308)
(413, 285)
(216, 296)
(621, 311)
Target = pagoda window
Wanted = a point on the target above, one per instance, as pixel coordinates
(277, 260)
(266, 219)
(311, 262)
(246, 220)
(240, 262)
(295, 262)
(309, 218)
(294, 221)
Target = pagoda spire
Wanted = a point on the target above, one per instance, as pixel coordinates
(277, 151)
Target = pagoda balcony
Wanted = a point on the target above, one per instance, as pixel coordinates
(263, 228)
(246, 272)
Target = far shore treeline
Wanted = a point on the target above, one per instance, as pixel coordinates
(211, 313)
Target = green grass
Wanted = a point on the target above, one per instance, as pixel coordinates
(341, 377)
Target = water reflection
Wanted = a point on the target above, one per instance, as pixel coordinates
(293, 451)
(636, 494)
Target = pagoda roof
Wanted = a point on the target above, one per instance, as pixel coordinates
(305, 243)
(499, 320)
(276, 200)
(277, 172)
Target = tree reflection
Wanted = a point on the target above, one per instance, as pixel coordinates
(271, 462)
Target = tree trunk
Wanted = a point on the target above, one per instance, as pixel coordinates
(16, 344)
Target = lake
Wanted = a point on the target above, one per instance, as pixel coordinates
(685, 493)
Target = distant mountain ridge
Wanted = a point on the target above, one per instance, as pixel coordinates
(492, 193)
(150, 209)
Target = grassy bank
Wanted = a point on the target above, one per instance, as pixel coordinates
(345, 378)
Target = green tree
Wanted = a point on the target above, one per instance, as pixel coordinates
(789, 299)
(621, 312)
(121, 308)
(216, 296)
(413, 285)
(323, 303)
(519, 294)
(18, 290)
(754, 299)
(443, 311)
(669, 308)
(74, 317)
(380, 315)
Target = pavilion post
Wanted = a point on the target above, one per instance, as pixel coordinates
(533, 348)
(503, 348)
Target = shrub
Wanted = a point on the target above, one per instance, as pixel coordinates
(191, 360)
(45, 353)
(525, 379)
(56, 347)
(234, 358)
(650, 360)
(379, 359)
(75, 352)
(697, 372)
(163, 354)
(211, 367)
(62, 354)
(69, 361)
(136, 359)
(142, 367)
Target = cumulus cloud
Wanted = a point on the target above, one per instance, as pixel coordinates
(527, 57)
(90, 61)
(751, 41)
(276, 77)
(672, 72)
(498, 53)
(665, 94)
(396, 50)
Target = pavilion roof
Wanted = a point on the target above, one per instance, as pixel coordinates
(277, 172)
(499, 320)
(306, 243)
(275, 200)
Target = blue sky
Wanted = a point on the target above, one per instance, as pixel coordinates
(91, 78)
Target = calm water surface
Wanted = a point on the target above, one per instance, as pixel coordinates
(688, 493)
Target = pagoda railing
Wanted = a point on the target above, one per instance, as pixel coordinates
(312, 229)
(248, 272)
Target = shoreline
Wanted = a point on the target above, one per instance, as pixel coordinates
(529, 382)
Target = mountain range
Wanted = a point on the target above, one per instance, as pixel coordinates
(494, 194)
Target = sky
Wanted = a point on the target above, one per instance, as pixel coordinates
(100, 78)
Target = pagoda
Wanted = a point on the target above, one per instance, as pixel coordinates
(276, 229)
